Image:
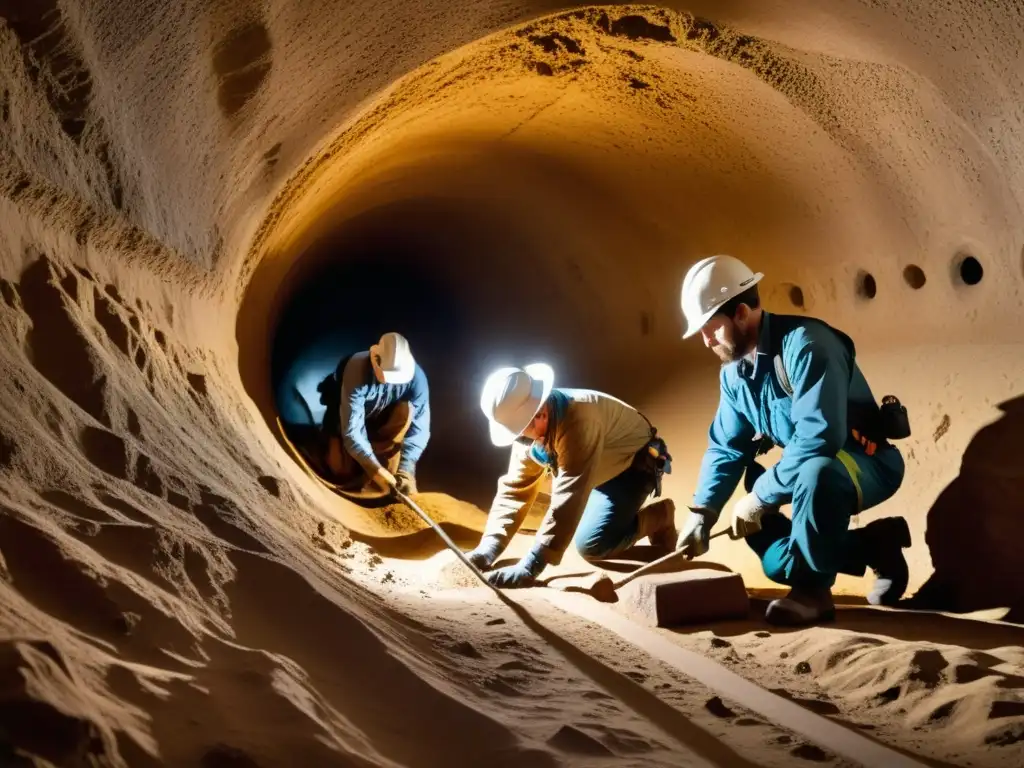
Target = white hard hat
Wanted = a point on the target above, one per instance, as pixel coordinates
(511, 398)
(709, 284)
(392, 359)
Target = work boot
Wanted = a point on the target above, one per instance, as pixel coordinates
(802, 606)
(882, 542)
(657, 522)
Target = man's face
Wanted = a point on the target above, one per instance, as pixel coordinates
(728, 337)
(538, 427)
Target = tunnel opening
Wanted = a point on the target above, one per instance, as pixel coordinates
(553, 247)
(368, 276)
(344, 307)
(446, 276)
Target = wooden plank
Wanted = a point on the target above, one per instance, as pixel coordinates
(827, 734)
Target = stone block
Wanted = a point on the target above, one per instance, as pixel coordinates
(699, 595)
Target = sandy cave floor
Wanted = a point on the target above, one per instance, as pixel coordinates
(940, 687)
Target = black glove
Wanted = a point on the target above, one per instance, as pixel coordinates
(405, 481)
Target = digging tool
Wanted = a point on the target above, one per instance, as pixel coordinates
(440, 532)
(603, 588)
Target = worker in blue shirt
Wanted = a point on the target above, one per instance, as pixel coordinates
(378, 417)
(792, 381)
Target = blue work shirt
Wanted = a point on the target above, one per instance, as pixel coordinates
(811, 423)
(363, 397)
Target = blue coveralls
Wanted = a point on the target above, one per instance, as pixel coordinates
(824, 472)
(364, 399)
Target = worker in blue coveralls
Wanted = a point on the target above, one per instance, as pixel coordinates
(793, 381)
(378, 417)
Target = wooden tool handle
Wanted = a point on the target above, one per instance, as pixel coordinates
(647, 568)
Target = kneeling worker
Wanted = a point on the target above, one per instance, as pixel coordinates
(605, 459)
(378, 413)
(794, 381)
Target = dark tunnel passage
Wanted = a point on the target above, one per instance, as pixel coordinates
(357, 284)
(344, 307)
(421, 268)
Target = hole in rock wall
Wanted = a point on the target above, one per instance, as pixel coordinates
(866, 287)
(968, 269)
(796, 296)
(913, 275)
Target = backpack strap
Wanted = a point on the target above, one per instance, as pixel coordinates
(864, 420)
(654, 456)
(782, 376)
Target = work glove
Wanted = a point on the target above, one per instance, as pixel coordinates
(522, 574)
(747, 514)
(694, 537)
(406, 482)
(383, 479)
(486, 552)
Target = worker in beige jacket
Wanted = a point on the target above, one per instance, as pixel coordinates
(605, 459)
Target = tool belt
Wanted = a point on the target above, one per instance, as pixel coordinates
(654, 459)
(870, 425)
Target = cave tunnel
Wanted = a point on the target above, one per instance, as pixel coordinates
(554, 221)
(203, 208)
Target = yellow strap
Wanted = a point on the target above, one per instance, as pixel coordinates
(854, 470)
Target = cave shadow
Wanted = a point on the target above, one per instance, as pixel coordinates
(974, 527)
(669, 719)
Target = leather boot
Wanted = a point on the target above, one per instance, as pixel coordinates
(657, 522)
(802, 606)
(882, 543)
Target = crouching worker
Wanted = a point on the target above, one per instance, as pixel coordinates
(605, 459)
(378, 417)
(794, 382)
